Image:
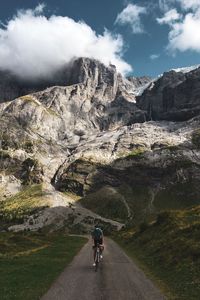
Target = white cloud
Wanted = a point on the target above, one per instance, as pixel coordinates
(131, 15)
(166, 5)
(34, 46)
(184, 31)
(189, 4)
(169, 17)
(40, 8)
(185, 35)
(154, 56)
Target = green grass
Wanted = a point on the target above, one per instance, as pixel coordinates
(135, 153)
(178, 196)
(22, 204)
(169, 252)
(29, 263)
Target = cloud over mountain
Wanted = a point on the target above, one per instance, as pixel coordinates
(33, 46)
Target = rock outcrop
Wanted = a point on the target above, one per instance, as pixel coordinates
(174, 96)
(95, 134)
(143, 163)
(98, 99)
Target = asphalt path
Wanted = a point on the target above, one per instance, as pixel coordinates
(117, 278)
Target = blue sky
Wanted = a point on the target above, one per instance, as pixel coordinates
(144, 26)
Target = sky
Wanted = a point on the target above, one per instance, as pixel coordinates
(141, 37)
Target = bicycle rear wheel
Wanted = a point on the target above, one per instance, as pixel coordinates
(97, 259)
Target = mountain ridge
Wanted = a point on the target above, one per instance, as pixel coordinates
(103, 132)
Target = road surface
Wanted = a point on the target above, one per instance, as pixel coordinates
(118, 278)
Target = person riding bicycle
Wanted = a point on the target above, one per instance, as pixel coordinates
(97, 236)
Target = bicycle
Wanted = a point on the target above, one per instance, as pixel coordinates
(97, 256)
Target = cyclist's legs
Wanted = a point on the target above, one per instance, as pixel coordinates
(95, 248)
(101, 246)
(100, 242)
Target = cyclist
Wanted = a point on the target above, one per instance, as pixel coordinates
(97, 236)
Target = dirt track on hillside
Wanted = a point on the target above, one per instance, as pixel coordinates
(118, 278)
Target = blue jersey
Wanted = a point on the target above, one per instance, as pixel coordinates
(97, 234)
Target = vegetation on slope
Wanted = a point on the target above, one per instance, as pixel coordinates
(130, 181)
(178, 196)
(30, 262)
(169, 248)
(24, 203)
(10, 142)
(135, 153)
(107, 203)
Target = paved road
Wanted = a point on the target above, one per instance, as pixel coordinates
(118, 278)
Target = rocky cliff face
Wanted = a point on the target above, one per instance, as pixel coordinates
(174, 96)
(98, 99)
(91, 132)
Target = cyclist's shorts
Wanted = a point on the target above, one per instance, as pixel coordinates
(99, 241)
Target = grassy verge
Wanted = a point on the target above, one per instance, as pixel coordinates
(169, 252)
(30, 262)
(139, 258)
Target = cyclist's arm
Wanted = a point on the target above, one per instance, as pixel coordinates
(92, 235)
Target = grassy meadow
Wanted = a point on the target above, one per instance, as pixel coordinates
(168, 249)
(30, 262)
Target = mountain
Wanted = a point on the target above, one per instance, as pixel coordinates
(126, 148)
(175, 96)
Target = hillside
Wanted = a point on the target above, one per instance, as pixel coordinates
(169, 250)
(126, 148)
